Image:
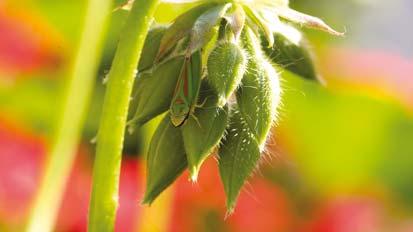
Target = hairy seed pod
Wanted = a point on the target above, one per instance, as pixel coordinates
(259, 94)
(226, 66)
(181, 27)
(166, 160)
(238, 157)
(204, 129)
(186, 92)
(151, 47)
(154, 90)
(291, 51)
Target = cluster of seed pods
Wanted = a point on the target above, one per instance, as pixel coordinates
(214, 74)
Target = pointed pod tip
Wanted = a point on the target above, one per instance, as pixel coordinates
(131, 129)
(334, 32)
(222, 101)
(307, 20)
(147, 200)
(132, 125)
(231, 204)
(230, 211)
(194, 171)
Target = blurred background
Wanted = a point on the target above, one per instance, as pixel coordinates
(341, 156)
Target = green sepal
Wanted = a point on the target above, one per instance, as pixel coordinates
(291, 52)
(154, 89)
(204, 129)
(181, 27)
(151, 47)
(238, 157)
(256, 19)
(166, 160)
(205, 27)
(235, 18)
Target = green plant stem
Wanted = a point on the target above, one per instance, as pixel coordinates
(106, 169)
(70, 122)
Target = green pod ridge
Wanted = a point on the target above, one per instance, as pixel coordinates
(181, 27)
(226, 67)
(204, 130)
(154, 90)
(151, 47)
(259, 94)
(166, 160)
(291, 52)
(238, 157)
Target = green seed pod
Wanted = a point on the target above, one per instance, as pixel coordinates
(203, 130)
(238, 157)
(226, 66)
(181, 27)
(166, 159)
(154, 90)
(259, 94)
(291, 51)
(151, 47)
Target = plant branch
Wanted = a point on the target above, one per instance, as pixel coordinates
(106, 170)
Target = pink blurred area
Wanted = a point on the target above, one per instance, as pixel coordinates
(200, 206)
(263, 205)
(22, 152)
(22, 156)
(27, 43)
(381, 73)
(349, 213)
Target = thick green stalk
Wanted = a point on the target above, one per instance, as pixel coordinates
(71, 118)
(106, 169)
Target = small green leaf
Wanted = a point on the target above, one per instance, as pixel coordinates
(259, 94)
(238, 157)
(306, 20)
(269, 3)
(203, 130)
(260, 23)
(154, 90)
(181, 27)
(151, 47)
(206, 26)
(236, 19)
(291, 52)
(226, 67)
(166, 159)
